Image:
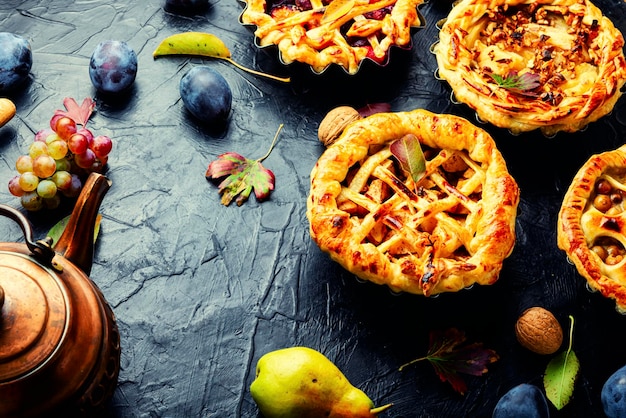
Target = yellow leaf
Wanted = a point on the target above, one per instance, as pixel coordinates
(337, 9)
(192, 43)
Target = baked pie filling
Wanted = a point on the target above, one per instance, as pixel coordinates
(525, 64)
(592, 224)
(350, 32)
(451, 229)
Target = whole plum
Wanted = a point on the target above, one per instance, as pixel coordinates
(613, 394)
(16, 60)
(206, 94)
(113, 66)
(522, 401)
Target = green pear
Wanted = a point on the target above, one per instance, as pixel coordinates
(299, 382)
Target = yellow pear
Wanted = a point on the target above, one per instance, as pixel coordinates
(300, 382)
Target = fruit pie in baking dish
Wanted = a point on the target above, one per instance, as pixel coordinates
(553, 65)
(444, 230)
(320, 33)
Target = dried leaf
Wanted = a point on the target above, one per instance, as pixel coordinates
(57, 230)
(408, 152)
(241, 177)
(80, 114)
(336, 10)
(450, 357)
(561, 374)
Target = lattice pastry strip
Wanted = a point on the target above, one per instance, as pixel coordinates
(571, 53)
(301, 34)
(452, 229)
(592, 224)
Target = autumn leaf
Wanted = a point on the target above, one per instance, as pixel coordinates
(241, 176)
(80, 114)
(408, 152)
(450, 356)
(373, 108)
(561, 374)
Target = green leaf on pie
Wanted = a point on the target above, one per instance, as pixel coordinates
(561, 374)
(517, 83)
(408, 152)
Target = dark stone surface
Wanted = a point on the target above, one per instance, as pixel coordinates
(201, 291)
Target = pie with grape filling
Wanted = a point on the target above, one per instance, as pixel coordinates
(324, 32)
(451, 229)
(592, 224)
(553, 65)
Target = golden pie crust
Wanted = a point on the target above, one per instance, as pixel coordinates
(585, 223)
(366, 31)
(451, 230)
(572, 50)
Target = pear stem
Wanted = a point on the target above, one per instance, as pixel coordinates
(251, 71)
(378, 410)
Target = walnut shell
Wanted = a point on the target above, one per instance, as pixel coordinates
(334, 123)
(538, 330)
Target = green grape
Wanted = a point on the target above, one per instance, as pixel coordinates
(31, 201)
(57, 149)
(37, 148)
(46, 189)
(24, 163)
(44, 166)
(63, 164)
(52, 137)
(62, 179)
(28, 181)
(53, 202)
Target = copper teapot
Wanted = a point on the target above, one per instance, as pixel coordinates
(59, 342)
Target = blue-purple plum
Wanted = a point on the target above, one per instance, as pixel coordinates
(522, 401)
(16, 60)
(206, 94)
(113, 66)
(613, 394)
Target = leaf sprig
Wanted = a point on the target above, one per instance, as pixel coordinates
(242, 175)
(409, 154)
(516, 83)
(80, 114)
(451, 356)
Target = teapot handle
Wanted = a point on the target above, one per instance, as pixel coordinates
(41, 249)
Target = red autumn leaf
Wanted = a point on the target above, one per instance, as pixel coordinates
(450, 356)
(373, 108)
(80, 114)
(240, 176)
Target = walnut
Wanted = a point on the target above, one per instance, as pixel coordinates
(334, 123)
(7, 111)
(539, 331)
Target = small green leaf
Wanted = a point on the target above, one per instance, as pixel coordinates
(57, 230)
(561, 375)
(522, 84)
(408, 152)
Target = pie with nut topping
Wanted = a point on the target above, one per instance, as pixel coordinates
(553, 65)
(592, 224)
(324, 32)
(446, 231)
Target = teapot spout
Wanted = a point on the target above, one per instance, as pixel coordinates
(76, 243)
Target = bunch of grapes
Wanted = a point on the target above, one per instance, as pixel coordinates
(57, 163)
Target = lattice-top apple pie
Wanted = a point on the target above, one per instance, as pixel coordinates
(554, 65)
(451, 228)
(592, 224)
(324, 32)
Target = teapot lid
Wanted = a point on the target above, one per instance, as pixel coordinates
(34, 315)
